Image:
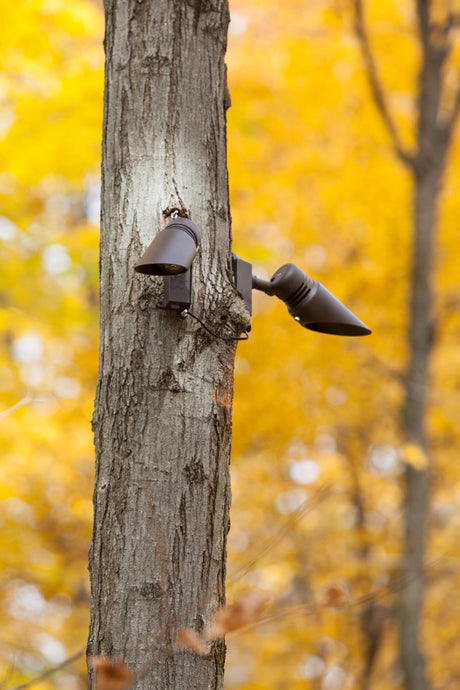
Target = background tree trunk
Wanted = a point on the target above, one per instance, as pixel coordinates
(433, 136)
(426, 191)
(162, 420)
(427, 165)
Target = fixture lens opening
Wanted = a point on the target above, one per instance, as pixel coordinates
(173, 269)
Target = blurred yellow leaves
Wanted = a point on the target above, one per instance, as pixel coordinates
(52, 89)
(313, 181)
(413, 455)
(50, 127)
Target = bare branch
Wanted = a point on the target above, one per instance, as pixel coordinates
(455, 110)
(376, 85)
(423, 16)
(377, 595)
(307, 507)
(445, 129)
(453, 20)
(7, 676)
(443, 30)
(25, 401)
(381, 365)
(51, 671)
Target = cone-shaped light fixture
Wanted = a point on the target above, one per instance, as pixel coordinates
(173, 249)
(310, 303)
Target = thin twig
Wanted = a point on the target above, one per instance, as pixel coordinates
(388, 370)
(376, 85)
(17, 406)
(443, 30)
(453, 20)
(388, 590)
(455, 109)
(8, 675)
(306, 508)
(51, 671)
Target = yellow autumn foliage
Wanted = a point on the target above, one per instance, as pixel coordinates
(413, 455)
(317, 450)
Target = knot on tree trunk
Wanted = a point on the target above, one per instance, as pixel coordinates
(228, 313)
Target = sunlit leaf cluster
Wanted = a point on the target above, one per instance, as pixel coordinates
(50, 113)
(314, 181)
(317, 449)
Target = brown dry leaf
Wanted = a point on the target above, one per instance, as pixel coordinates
(111, 675)
(245, 610)
(190, 639)
(333, 596)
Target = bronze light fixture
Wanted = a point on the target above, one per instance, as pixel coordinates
(310, 303)
(173, 249)
(171, 255)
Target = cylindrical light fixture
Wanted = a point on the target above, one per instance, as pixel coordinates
(310, 303)
(173, 249)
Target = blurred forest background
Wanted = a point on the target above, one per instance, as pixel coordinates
(319, 447)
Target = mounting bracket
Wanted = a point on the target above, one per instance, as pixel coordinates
(242, 278)
(178, 291)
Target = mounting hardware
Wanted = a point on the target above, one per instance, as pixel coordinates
(242, 278)
(177, 291)
(186, 313)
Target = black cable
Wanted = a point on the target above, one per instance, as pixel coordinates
(186, 312)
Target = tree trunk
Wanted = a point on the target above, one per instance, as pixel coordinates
(426, 191)
(162, 419)
(426, 163)
(429, 164)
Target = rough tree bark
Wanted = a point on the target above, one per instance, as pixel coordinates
(162, 420)
(426, 165)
